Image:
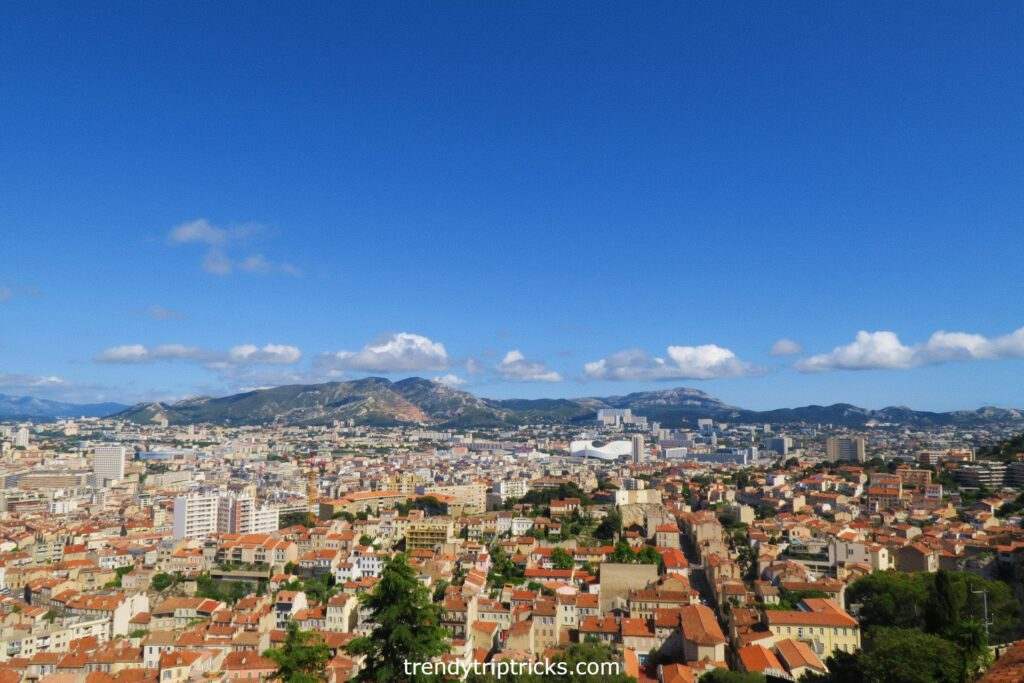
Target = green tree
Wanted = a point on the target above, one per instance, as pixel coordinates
(927, 602)
(407, 626)
(562, 559)
(302, 657)
(945, 604)
(503, 569)
(589, 651)
(624, 554)
(610, 526)
(889, 599)
(306, 519)
(909, 656)
(320, 588)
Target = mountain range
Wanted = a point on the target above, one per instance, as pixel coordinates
(29, 408)
(382, 402)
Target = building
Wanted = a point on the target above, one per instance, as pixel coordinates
(512, 488)
(244, 515)
(820, 623)
(361, 501)
(613, 450)
(1015, 474)
(986, 474)
(429, 533)
(620, 417)
(779, 444)
(108, 464)
(195, 516)
(850, 449)
(702, 636)
(472, 498)
(637, 449)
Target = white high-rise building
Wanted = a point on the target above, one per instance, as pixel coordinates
(108, 465)
(195, 516)
(243, 515)
(21, 438)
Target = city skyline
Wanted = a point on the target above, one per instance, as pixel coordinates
(518, 201)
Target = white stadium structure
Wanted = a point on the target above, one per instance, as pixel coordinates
(609, 451)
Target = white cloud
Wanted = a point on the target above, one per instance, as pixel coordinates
(244, 354)
(126, 353)
(199, 231)
(786, 347)
(884, 350)
(868, 350)
(401, 352)
(450, 380)
(20, 381)
(516, 368)
(274, 354)
(258, 263)
(217, 263)
(220, 242)
(473, 366)
(707, 361)
(177, 352)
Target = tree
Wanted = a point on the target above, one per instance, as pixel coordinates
(407, 626)
(909, 656)
(320, 588)
(894, 654)
(610, 526)
(927, 602)
(162, 581)
(302, 657)
(726, 676)
(589, 651)
(561, 559)
(306, 519)
(945, 604)
(503, 569)
(889, 599)
(430, 505)
(626, 555)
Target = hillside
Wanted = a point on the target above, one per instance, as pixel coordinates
(29, 408)
(381, 402)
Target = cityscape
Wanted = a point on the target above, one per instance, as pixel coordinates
(133, 546)
(532, 342)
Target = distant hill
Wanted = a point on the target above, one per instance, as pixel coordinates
(28, 408)
(381, 402)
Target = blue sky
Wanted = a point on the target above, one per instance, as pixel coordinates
(530, 199)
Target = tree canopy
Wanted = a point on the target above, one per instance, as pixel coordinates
(407, 626)
(301, 658)
(562, 559)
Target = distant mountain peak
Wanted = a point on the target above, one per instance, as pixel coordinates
(31, 408)
(416, 400)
